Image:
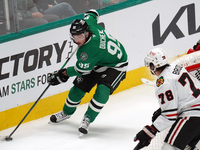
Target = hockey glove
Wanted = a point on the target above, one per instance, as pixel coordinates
(190, 51)
(197, 46)
(57, 78)
(145, 136)
(156, 114)
(92, 11)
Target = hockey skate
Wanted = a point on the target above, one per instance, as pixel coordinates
(58, 117)
(83, 129)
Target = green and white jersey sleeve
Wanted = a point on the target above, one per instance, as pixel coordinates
(100, 50)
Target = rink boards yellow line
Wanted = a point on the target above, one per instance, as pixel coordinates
(52, 104)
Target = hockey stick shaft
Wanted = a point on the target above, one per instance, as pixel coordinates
(28, 111)
(137, 147)
(40, 96)
(69, 57)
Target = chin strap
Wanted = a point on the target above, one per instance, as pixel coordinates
(153, 71)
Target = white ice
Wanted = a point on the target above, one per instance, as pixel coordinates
(123, 116)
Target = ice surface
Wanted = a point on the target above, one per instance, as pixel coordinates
(114, 129)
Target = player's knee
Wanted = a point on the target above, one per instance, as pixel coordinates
(76, 93)
(107, 85)
(167, 146)
(103, 89)
(102, 94)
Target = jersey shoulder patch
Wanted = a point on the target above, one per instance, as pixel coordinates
(159, 81)
(83, 56)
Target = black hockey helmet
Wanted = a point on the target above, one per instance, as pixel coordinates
(78, 27)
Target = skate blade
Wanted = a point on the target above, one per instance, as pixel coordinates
(53, 122)
(50, 122)
(81, 135)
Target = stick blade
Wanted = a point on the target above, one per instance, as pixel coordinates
(148, 82)
(102, 24)
(6, 138)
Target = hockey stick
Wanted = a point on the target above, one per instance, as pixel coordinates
(9, 138)
(148, 82)
(137, 147)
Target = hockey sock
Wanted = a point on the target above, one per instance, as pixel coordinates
(73, 100)
(99, 100)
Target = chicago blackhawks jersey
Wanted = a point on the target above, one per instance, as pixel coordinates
(178, 94)
(100, 50)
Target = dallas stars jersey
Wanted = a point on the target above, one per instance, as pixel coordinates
(100, 50)
(178, 94)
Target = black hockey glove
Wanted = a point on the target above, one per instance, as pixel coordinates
(145, 136)
(57, 78)
(197, 46)
(156, 114)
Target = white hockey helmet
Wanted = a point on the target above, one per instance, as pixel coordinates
(157, 57)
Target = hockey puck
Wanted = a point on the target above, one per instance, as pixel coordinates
(8, 138)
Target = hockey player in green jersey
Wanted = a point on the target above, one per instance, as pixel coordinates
(101, 61)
